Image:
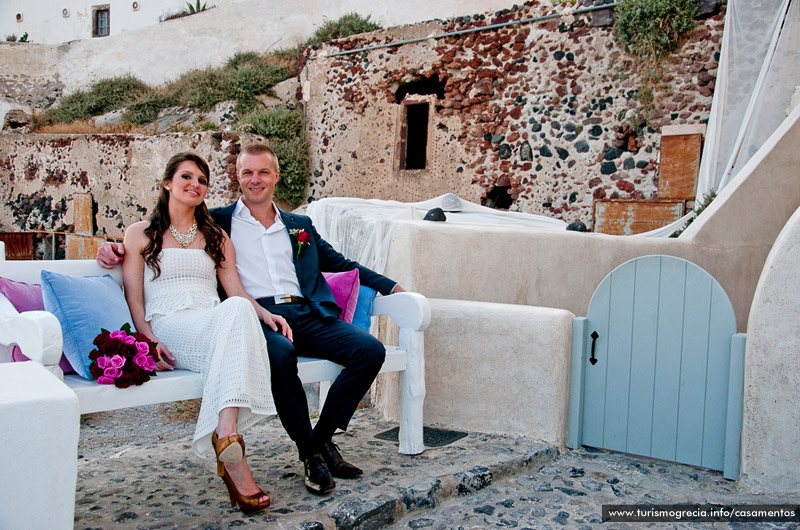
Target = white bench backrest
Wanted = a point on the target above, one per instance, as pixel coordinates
(29, 271)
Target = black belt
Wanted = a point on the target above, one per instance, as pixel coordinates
(282, 299)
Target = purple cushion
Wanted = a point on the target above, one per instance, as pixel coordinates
(344, 286)
(27, 297)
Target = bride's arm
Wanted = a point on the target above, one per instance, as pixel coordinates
(230, 281)
(133, 281)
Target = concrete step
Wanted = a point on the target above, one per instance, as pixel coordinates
(144, 482)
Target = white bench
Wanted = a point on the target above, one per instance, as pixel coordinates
(38, 333)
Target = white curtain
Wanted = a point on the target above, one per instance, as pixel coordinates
(759, 68)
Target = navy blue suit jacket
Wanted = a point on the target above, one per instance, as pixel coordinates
(314, 259)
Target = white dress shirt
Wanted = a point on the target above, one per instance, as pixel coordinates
(263, 256)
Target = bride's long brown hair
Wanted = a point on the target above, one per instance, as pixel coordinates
(160, 221)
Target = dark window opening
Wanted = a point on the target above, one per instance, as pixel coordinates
(415, 140)
(423, 87)
(498, 198)
(101, 21)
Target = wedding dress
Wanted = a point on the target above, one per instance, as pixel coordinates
(222, 341)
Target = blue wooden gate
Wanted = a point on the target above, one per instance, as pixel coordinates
(657, 367)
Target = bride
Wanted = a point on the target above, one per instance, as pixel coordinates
(170, 272)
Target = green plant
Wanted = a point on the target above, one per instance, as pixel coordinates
(344, 26)
(196, 8)
(11, 38)
(24, 37)
(650, 30)
(294, 163)
(707, 200)
(208, 126)
(146, 110)
(103, 96)
(276, 122)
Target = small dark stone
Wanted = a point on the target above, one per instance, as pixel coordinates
(536, 127)
(570, 56)
(497, 138)
(507, 523)
(570, 127)
(525, 152)
(582, 146)
(573, 197)
(338, 167)
(562, 153)
(571, 492)
(558, 55)
(539, 167)
(435, 214)
(570, 137)
(608, 168)
(628, 163)
(577, 226)
(614, 480)
(555, 125)
(487, 137)
(420, 523)
(561, 518)
(613, 153)
(486, 509)
(125, 516)
(641, 164)
(576, 472)
(508, 503)
(596, 130)
(546, 205)
(504, 152)
(545, 151)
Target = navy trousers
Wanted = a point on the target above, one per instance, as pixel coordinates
(360, 353)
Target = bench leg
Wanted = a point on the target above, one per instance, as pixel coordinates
(412, 392)
(324, 387)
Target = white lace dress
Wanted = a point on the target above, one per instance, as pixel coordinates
(222, 341)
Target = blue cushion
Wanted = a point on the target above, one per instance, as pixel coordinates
(361, 317)
(83, 305)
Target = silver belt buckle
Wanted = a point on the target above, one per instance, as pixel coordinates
(284, 299)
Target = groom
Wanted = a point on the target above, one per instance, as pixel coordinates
(280, 258)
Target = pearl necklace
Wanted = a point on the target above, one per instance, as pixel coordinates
(184, 239)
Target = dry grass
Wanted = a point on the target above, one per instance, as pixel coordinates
(180, 411)
(89, 127)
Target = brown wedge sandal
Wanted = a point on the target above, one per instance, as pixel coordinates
(230, 449)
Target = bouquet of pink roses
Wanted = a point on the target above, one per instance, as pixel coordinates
(122, 358)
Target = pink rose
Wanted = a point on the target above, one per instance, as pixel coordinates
(129, 339)
(118, 335)
(103, 362)
(103, 380)
(112, 372)
(142, 347)
(117, 361)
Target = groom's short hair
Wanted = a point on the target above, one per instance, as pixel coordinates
(255, 150)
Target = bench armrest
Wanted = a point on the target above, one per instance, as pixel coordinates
(409, 310)
(38, 334)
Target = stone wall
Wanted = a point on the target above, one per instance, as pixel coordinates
(40, 173)
(539, 117)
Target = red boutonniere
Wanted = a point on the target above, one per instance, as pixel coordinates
(302, 238)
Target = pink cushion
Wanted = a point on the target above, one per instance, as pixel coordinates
(344, 286)
(27, 297)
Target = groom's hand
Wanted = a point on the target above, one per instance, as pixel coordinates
(109, 255)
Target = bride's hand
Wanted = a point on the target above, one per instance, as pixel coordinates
(165, 359)
(275, 321)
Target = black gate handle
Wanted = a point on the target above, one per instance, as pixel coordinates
(594, 336)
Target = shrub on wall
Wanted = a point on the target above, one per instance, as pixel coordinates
(284, 128)
(650, 30)
(344, 26)
(103, 96)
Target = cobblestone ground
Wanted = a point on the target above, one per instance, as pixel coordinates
(569, 491)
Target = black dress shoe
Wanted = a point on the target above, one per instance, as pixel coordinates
(318, 479)
(337, 465)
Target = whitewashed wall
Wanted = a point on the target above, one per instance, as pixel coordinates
(286, 20)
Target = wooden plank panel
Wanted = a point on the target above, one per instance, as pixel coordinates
(633, 216)
(721, 328)
(694, 364)
(19, 245)
(619, 357)
(678, 166)
(643, 356)
(668, 361)
(595, 375)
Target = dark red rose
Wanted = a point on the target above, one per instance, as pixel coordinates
(303, 237)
